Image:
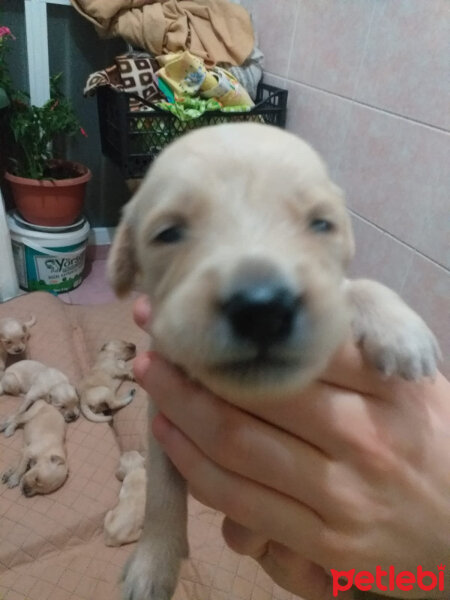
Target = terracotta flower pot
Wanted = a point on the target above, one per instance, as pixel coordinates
(51, 202)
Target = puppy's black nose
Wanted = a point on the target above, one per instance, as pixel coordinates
(262, 313)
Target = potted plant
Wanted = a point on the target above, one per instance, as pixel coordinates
(47, 191)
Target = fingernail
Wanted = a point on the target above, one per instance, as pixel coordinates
(141, 365)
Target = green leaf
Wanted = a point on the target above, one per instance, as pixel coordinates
(34, 128)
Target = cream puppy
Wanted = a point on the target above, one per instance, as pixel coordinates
(242, 241)
(124, 523)
(13, 337)
(42, 468)
(98, 389)
(35, 381)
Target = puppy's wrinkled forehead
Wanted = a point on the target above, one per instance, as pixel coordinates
(231, 163)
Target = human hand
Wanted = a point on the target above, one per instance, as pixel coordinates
(350, 474)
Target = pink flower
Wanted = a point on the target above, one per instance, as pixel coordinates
(6, 31)
(83, 132)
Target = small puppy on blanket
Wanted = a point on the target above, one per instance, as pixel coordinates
(124, 523)
(241, 241)
(14, 336)
(37, 381)
(98, 389)
(42, 468)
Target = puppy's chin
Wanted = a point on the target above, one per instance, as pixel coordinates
(254, 381)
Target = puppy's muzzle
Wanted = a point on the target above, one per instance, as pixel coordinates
(17, 350)
(70, 417)
(262, 313)
(27, 491)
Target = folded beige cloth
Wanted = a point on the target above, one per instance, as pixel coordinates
(215, 30)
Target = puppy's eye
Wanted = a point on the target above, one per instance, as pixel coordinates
(321, 226)
(170, 235)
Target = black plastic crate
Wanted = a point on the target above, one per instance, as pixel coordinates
(131, 139)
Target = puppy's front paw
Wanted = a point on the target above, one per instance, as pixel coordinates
(393, 337)
(151, 573)
(10, 478)
(8, 427)
(410, 351)
(6, 475)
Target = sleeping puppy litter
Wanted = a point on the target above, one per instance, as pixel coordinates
(242, 241)
(98, 389)
(42, 468)
(36, 381)
(124, 523)
(14, 336)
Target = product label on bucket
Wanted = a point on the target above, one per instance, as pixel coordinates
(59, 271)
(53, 269)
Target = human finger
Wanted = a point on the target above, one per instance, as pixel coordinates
(255, 506)
(142, 312)
(287, 568)
(254, 449)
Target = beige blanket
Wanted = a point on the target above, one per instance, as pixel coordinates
(216, 30)
(51, 547)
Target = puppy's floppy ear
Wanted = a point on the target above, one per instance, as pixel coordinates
(122, 263)
(28, 324)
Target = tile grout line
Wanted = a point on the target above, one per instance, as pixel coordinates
(401, 242)
(348, 120)
(291, 47)
(364, 51)
(361, 103)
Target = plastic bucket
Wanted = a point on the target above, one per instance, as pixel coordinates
(48, 258)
